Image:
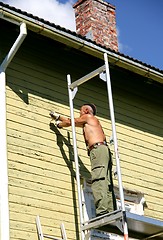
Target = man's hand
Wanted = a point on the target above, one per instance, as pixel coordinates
(57, 124)
(54, 115)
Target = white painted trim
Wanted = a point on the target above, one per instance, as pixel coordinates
(15, 47)
(4, 207)
(4, 198)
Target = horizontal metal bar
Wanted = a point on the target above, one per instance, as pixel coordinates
(51, 237)
(153, 236)
(87, 77)
(104, 220)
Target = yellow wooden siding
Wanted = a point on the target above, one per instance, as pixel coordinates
(41, 171)
(40, 180)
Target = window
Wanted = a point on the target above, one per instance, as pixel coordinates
(134, 203)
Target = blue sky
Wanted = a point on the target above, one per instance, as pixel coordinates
(139, 24)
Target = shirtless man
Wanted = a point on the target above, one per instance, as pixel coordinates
(99, 152)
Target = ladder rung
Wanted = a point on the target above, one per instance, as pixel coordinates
(41, 235)
(103, 220)
(51, 237)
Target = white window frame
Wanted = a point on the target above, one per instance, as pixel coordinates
(134, 203)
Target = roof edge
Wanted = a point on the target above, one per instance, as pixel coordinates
(66, 37)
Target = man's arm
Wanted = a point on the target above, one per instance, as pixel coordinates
(66, 122)
(63, 122)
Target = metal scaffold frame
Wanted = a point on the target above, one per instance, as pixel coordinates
(72, 89)
(120, 221)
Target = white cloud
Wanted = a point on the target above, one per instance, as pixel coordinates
(122, 47)
(52, 10)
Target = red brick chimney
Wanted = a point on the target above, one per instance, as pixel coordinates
(96, 20)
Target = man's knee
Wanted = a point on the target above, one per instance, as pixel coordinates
(98, 173)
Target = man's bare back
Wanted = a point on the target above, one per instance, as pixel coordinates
(92, 129)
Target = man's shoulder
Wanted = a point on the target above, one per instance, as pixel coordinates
(91, 119)
(89, 116)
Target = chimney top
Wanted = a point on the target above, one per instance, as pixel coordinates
(101, 1)
(96, 20)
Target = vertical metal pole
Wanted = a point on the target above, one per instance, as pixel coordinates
(39, 229)
(115, 145)
(75, 153)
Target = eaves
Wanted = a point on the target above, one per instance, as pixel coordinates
(71, 39)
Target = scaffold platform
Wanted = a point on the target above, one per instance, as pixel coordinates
(139, 227)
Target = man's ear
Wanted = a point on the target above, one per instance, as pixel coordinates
(86, 110)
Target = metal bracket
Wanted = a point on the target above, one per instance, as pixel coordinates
(111, 140)
(102, 76)
(87, 235)
(74, 91)
(119, 224)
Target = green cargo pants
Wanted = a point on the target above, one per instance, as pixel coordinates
(102, 187)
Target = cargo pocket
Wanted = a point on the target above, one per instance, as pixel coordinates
(98, 173)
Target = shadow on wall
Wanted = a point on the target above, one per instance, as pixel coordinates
(69, 162)
(22, 92)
